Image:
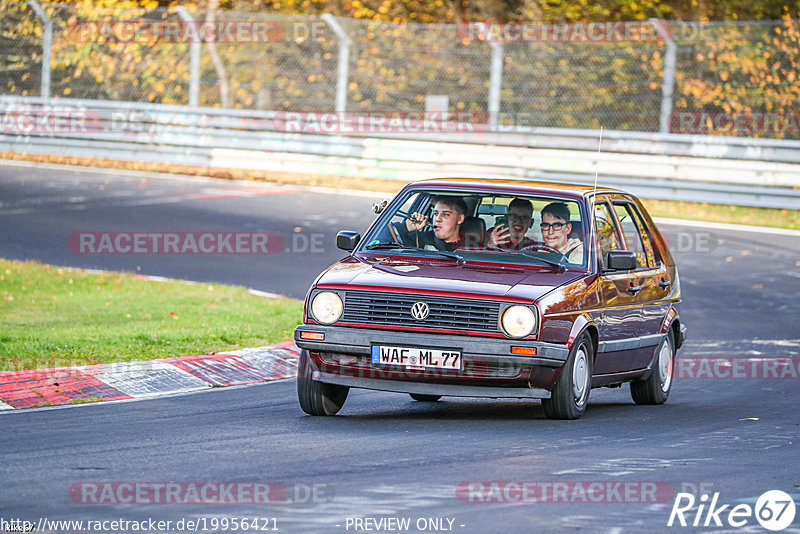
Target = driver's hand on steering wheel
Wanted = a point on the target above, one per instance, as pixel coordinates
(499, 236)
(416, 222)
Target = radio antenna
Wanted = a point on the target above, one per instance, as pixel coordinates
(597, 163)
(593, 234)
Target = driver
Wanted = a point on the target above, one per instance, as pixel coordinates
(556, 227)
(512, 236)
(445, 232)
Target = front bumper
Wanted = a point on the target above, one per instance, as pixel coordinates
(428, 388)
(488, 367)
(359, 341)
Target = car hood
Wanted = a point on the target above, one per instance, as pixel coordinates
(468, 278)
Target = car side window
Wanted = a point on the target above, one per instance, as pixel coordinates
(607, 236)
(651, 253)
(638, 241)
(390, 233)
(493, 210)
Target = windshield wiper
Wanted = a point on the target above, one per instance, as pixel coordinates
(383, 246)
(529, 254)
(553, 264)
(450, 255)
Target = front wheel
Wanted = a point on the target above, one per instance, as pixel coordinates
(317, 398)
(571, 393)
(656, 387)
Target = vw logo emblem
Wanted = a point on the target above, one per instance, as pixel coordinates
(420, 311)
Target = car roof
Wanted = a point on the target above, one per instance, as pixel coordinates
(513, 185)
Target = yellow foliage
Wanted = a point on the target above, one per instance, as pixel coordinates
(756, 70)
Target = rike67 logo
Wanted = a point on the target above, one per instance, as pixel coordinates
(774, 510)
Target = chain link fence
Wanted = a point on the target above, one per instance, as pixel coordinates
(395, 66)
(586, 86)
(710, 73)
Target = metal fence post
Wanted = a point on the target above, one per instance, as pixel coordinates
(47, 46)
(495, 82)
(194, 54)
(668, 83)
(343, 61)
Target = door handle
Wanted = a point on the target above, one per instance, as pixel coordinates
(635, 289)
(665, 283)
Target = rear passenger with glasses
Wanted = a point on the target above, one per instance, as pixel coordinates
(556, 228)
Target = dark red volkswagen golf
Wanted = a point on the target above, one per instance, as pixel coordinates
(495, 288)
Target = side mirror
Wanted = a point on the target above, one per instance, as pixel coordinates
(378, 207)
(621, 260)
(347, 240)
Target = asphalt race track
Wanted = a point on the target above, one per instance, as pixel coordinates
(385, 456)
(39, 209)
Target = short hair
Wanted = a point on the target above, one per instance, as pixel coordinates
(558, 210)
(456, 203)
(523, 203)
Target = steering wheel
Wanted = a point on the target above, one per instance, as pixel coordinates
(410, 217)
(545, 248)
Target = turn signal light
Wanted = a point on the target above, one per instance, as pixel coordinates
(312, 336)
(524, 351)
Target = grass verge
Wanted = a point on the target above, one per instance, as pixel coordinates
(724, 214)
(54, 317)
(777, 218)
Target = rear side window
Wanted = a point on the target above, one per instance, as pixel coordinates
(636, 235)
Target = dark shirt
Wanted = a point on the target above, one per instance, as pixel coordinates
(426, 237)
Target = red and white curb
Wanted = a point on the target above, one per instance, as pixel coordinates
(68, 385)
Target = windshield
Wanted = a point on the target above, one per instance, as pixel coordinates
(503, 228)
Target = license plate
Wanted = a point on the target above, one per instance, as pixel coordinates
(416, 357)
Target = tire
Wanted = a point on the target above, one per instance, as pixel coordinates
(656, 387)
(317, 398)
(425, 398)
(571, 392)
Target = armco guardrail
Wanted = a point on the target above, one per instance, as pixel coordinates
(750, 172)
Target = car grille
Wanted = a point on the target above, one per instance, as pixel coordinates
(445, 312)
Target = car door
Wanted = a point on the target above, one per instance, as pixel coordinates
(620, 317)
(650, 277)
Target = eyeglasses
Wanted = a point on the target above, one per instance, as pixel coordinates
(555, 226)
(515, 217)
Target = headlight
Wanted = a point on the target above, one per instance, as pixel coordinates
(326, 307)
(518, 321)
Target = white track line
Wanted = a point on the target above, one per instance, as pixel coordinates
(139, 399)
